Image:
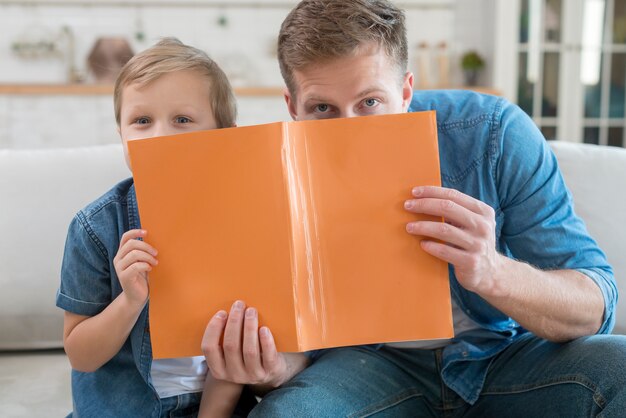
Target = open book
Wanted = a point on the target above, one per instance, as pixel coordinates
(302, 220)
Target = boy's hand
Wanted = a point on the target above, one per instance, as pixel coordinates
(250, 358)
(133, 261)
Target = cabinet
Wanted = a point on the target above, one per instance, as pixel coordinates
(569, 66)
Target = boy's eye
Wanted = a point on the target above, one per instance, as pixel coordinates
(182, 119)
(142, 121)
(370, 102)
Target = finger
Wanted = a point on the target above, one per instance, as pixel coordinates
(132, 234)
(135, 256)
(251, 347)
(232, 341)
(441, 231)
(461, 199)
(459, 258)
(137, 269)
(135, 244)
(211, 347)
(449, 210)
(269, 355)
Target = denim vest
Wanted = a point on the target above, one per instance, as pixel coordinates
(121, 387)
(491, 150)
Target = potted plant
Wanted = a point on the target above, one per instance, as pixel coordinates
(471, 63)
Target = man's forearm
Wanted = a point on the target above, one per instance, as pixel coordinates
(557, 305)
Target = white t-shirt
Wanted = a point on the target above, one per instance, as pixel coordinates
(176, 376)
(462, 323)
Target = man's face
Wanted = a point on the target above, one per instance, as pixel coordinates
(174, 103)
(366, 83)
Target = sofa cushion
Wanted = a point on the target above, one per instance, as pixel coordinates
(596, 176)
(40, 191)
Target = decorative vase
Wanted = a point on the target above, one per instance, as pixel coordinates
(471, 77)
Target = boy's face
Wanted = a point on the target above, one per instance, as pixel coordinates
(366, 83)
(174, 103)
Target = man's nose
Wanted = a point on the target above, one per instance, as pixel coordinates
(347, 113)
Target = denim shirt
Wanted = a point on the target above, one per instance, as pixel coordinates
(89, 283)
(491, 150)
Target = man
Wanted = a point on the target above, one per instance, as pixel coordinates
(530, 288)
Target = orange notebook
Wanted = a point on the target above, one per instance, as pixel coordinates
(302, 220)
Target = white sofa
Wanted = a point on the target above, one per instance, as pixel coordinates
(40, 190)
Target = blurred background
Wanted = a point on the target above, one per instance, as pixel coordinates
(563, 61)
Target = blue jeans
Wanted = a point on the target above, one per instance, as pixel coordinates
(181, 406)
(531, 378)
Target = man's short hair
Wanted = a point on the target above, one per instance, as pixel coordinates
(316, 31)
(169, 55)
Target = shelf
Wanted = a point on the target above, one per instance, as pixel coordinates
(107, 89)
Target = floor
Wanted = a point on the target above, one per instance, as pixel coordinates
(35, 384)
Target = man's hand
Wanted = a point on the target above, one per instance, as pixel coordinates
(466, 239)
(133, 261)
(248, 354)
(558, 305)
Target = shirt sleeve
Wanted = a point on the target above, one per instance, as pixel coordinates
(85, 273)
(540, 226)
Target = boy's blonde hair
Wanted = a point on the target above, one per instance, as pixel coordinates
(317, 31)
(168, 55)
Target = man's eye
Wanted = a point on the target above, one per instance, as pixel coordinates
(321, 108)
(370, 102)
(182, 119)
(142, 121)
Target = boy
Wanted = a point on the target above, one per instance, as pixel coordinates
(170, 88)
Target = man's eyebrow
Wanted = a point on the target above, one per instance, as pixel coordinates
(315, 99)
(370, 90)
(363, 93)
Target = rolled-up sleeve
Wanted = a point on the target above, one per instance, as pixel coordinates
(85, 274)
(540, 225)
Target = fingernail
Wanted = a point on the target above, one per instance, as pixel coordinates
(221, 315)
(154, 252)
(417, 191)
(264, 332)
(238, 305)
(409, 227)
(250, 313)
(408, 204)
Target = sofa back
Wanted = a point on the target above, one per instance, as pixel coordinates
(596, 176)
(40, 191)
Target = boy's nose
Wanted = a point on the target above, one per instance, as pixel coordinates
(162, 129)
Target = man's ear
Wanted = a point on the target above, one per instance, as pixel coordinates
(407, 90)
(291, 104)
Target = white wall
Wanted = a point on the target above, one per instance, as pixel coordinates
(244, 47)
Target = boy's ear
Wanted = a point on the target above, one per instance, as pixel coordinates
(291, 104)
